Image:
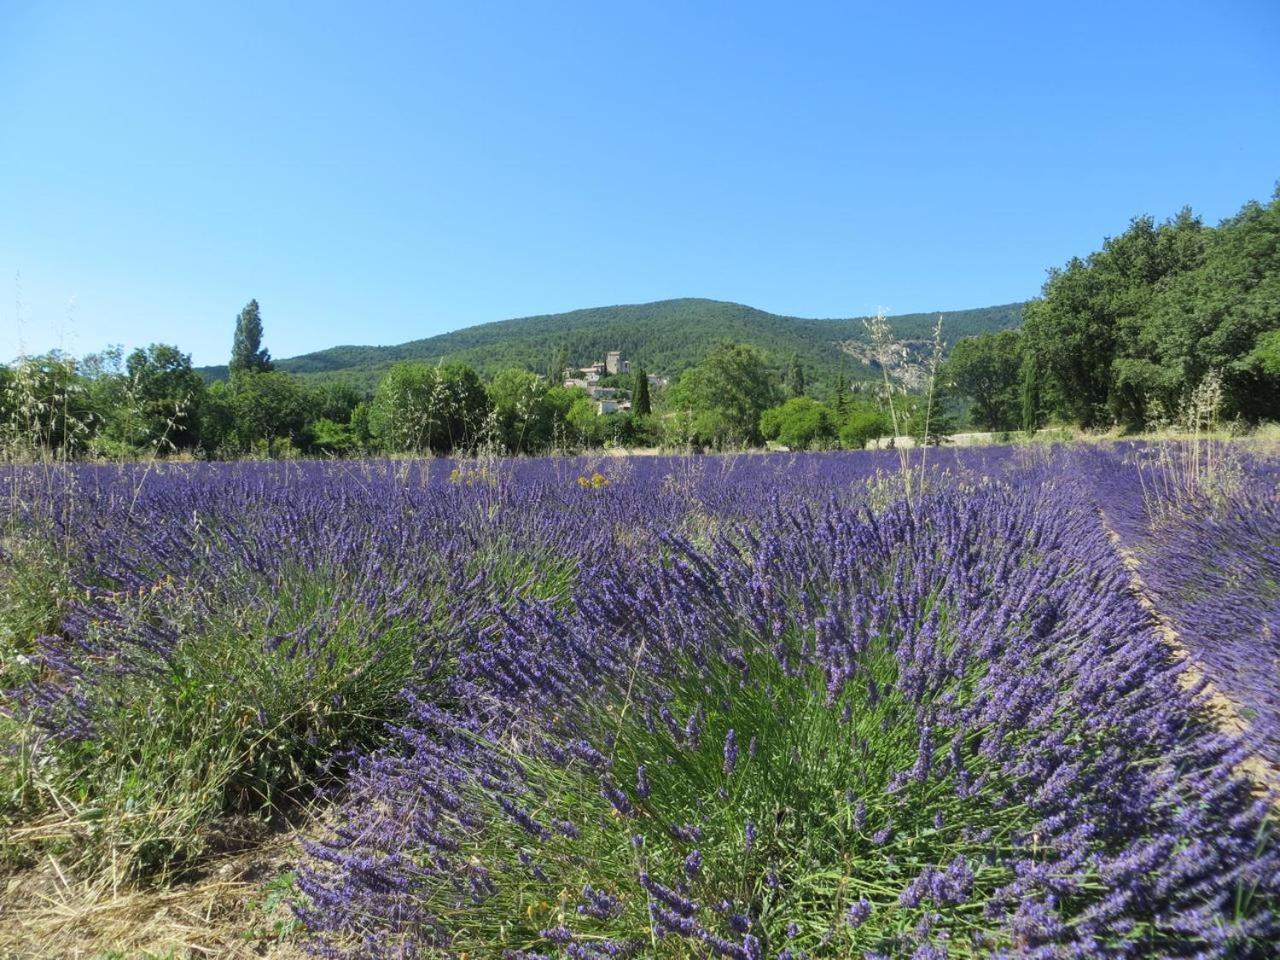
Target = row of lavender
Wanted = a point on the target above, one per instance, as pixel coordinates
(783, 706)
(1206, 534)
(942, 729)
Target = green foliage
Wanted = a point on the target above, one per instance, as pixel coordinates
(559, 401)
(516, 396)
(268, 408)
(588, 427)
(725, 395)
(988, 369)
(528, 416)
(1127, 334)
(801, 423)
(841, 402)
(1091, 305)
(247, 353)
(795, 382)
(420, 407)
(218, 421)
(1030, 393)
(167, 393)
(1265, 356)
(329, 436)
(6, 395)
(334, 399)
(863, 423)
(49, 408)
(360, 427)
(557, 364)
(931, 420)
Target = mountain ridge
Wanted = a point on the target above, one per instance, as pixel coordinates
(665, 336)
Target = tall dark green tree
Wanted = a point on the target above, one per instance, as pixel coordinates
(841, 404)
(247, 353)
(795, 377)
(931, 421)
(640, 403)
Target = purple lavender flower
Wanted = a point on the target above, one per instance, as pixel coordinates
(642, 782)
(730, 752)
(858, 913)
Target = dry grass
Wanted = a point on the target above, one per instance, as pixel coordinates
(230, 909)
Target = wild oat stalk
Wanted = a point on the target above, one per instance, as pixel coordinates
(935, 363)
(886, 350)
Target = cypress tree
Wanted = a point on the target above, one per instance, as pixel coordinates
(247, 353)
(640, 405)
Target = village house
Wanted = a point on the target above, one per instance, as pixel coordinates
(607, 399)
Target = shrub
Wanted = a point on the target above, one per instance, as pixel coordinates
(798, 424)
(864, 424)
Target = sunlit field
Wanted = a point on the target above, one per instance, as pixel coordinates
(951, 703)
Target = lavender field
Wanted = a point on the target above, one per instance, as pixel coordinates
(783, 706)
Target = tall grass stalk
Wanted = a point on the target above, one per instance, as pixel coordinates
(886, 351)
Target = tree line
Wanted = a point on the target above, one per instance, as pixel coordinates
(153, 402)
(1128, 336)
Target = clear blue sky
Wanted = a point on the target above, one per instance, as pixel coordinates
(374, 173)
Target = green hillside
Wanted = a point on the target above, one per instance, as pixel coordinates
(665, 337)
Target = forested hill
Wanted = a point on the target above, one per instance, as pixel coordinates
(666, 337)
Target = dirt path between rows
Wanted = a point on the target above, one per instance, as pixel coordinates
(1226, 713)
